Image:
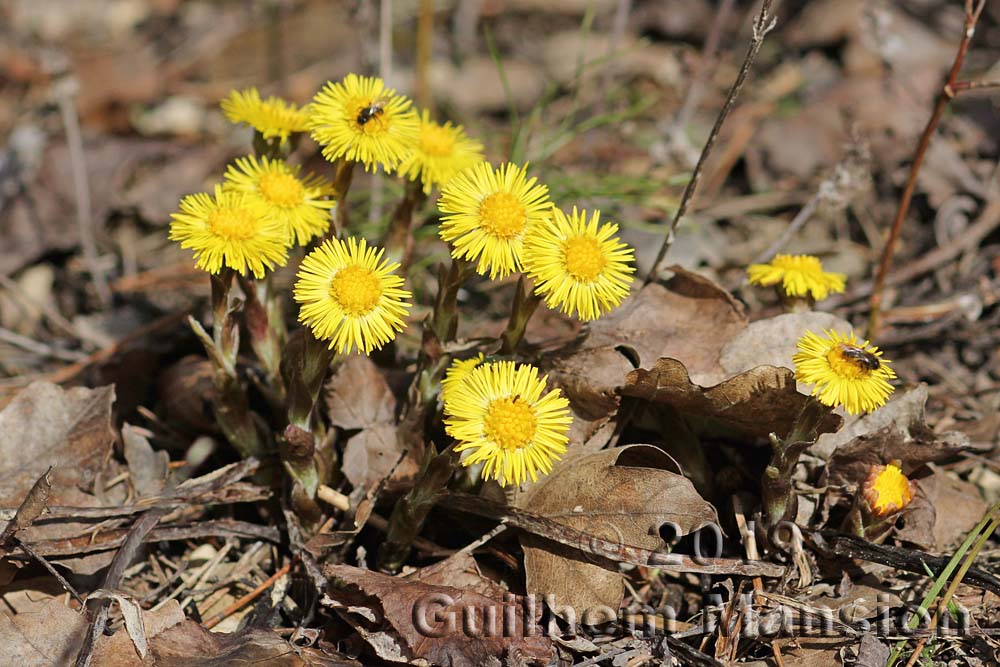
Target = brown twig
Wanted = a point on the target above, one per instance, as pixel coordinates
(84, 214)
(425, 38)
(762, 25)
(30, 509)
(247, 599)
(948, 92)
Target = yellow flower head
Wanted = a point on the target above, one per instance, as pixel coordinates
(455, 378)
(231, 229)
(489, 213)
(502, 416)
(350, 296)
(273, 117)
(363, 121)
(297, 203)
(887, 490)
(799, 275)
(578, 265)
(441, 152)
(845, 371)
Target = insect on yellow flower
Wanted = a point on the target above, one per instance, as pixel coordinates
(230, 229)
(845, 371)
(363, 121)
(298, 203)
(887, 490)
(350, 296)
(273, 117)
(503, 417)
(799, 275)
(457, 374)
(489, 213)
(579, 265)
(441, 152)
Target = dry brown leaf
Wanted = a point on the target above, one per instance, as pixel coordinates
(370, 456)
(459, 570)
(624, 495)
(772, 342)
(148, 469)
(358, 396)
(46, 425)
(943, 511)
(896, 431)
(389, 612)
(688, 318)
(758, 402)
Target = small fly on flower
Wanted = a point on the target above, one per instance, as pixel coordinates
(860, 356)
(370, 112)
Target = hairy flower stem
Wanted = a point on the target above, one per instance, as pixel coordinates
(230, 402)
(266, 327)
(398, 240)
(444, 320)
(410, 513)
(343, 174)
(304, 365)
(525, 304)
(274, 148)
(780, 503)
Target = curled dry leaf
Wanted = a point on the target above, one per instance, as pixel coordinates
(943, 511)
(624, 495)
(761, 401)
(689, 318)
(410, 621)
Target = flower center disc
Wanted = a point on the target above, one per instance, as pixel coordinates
(510, 422)
(356, 289)
(282, 190)
(232, 224)
(844, 366)
(437, 141)
(584, 259)
(503, 215)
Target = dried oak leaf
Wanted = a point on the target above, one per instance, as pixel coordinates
(46, 425)
(623, 495)
(943, 511)
(689, 318)
(413, 622)
(359, 398)
(895, 431)
(357, 395)
(761, 401)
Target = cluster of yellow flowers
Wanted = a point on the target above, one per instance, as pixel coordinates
(497, 218)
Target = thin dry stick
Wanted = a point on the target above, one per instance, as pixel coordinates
(948, 91)
(800, 219)
(84, 215)
(425, 38)
(708, 52)
(248, 598)
(762, 25)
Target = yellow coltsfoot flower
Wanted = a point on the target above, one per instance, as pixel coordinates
(887, 490)
(441, 153)
(847, 372)
(456, 375)
(503, 418)
(579, 265)
(350, 296)
(230, 229)
(273, 117)
(363, 121)
(799, 276)
(489, 213)
(300, 204)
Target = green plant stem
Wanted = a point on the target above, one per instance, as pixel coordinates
(444, 319)
(266, 326)
(778, 495)
(410, 513)
(398, 239)
(229, 401)
(525, 304)
(343, 174)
